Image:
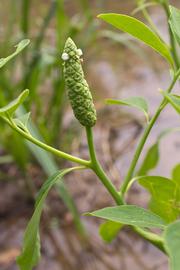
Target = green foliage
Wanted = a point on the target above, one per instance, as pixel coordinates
(130, 215)
(35, 66)
(19, 48)
(174, 100)
(13, 105)
(78, 89)
(138, 30)
(165, 193)
(151, 159)
(137, 102)
(23, 120)
(165, 196)
(31, 245)
(174, 22)
(172, 244)
(109, 230)
(152, 156)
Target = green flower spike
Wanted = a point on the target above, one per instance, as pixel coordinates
(78, 89)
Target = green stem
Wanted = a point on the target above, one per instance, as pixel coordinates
(144, 137)
(172, 39)
(154, 239)
(151, 24)
(96, 167)
(48, 148)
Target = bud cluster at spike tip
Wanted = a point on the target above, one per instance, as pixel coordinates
(78, 89)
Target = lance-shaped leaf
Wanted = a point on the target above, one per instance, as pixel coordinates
(165, 197)
(174, 22)
(172, 244)
(174, 100)
(138, 30)
(21, 45)
(13, 105)
(137, 102)
(109, 230)
(31, 245)
(130, 215)
(152, 156)
(151, 159)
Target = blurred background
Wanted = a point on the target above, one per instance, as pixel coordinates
(116, 66)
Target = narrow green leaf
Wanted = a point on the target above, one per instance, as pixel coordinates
(151, 159)
(109, 230)
(164, 196)
(137, 102)
(130, 215)
(31, 245)
(174, 22)
(13, 105)
(138, 30)
(172, 244)
(174, 100)
(21, 45)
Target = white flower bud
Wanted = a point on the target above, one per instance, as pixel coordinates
(65, 56)
(79, 52)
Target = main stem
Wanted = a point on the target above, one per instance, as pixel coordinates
(96, 167)
(144, 137)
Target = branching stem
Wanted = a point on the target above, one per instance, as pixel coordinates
(48, 148)
(96, 167)
(144, 137)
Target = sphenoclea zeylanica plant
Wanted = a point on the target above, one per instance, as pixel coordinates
(164, 205)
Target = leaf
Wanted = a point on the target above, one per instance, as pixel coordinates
(21, 45)
(152, 156)
(172, 244)
(164, 196)
(138, 30)
(174, 22)
(137, 102)
(174, 100)
(151, 159)
(22, 121)
(30, 254)
(49, 166)
(109, 230)
(130, 215)
(13, 105)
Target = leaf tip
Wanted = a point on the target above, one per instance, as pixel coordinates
(99, 15)
(107, 101)
(87, 214)
(102, 15)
